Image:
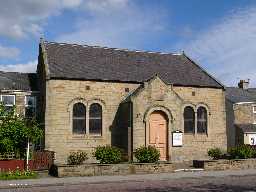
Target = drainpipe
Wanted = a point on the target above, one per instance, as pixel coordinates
(130, 132)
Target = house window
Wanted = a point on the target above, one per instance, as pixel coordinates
(201, 120)
(254, 114)
(79, 116)
(254, 109)
(8, 101)
(189, 120)
(30, 106)
(95, 119)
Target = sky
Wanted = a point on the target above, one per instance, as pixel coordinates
(220, 35)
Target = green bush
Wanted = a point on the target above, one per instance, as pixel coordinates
(215, 153)
(147, 154)
(108, 154)
(77, 158)
(242, 152)
(16, 131)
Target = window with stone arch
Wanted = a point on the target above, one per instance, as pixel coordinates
(79, 118)
(202, 120)
(95, 119)
(189, 120)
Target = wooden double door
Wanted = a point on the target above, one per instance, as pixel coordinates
(158, 133)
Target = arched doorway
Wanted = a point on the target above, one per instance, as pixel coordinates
(158, 132)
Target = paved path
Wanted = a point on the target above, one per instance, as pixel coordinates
(183, 181)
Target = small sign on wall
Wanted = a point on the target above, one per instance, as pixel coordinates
(177, 137)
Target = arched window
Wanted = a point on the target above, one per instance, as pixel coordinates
(189, 120)
(201, 120)
(79, 116)
(95, 119)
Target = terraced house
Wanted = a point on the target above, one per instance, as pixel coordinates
(91, 96)
(20, 90)
(241, 114)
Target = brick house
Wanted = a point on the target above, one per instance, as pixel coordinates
(241, 114)
(92, 96)
(20, 90)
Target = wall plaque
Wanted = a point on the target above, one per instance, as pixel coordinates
(177, 137)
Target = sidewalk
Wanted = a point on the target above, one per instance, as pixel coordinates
(52, 181)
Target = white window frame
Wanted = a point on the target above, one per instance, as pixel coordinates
(9, 105)
(254, 113)
(254, 108)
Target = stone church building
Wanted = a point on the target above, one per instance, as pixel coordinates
(91, 96)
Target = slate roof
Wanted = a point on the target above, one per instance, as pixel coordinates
(83, 62)
(18, 81)
(247, 128)
(237, 95)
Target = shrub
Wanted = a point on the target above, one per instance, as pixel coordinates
(215, 153)
(242, 152)
(77, 158)
(108, 154)
(147, 154)
(15, 131)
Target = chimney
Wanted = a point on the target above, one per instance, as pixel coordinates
(244, 84)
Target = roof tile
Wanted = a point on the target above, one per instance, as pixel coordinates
(69, 61)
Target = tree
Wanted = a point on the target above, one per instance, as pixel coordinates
(15, 131)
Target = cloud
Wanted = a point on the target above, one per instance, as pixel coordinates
(104, 5)
(117, 23)
(26, 67)
(227, 49)
(9, 52)
(19, 19)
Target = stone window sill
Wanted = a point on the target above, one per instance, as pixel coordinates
(189, 134)
(86, 137)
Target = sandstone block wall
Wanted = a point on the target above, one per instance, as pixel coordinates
(218, 165)
(244, 113)
(62, 94)
(60, 97)
(115, 169)
(172, 101)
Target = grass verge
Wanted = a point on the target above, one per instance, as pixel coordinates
(11, 175)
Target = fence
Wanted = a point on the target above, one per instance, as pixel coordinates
(41, 160)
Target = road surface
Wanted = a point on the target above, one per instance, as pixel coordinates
(238, 181)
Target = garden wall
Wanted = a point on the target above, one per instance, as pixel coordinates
(216, 165)
(110, 169)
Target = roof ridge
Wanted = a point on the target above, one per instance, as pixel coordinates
(17, 72)
(114, 48)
